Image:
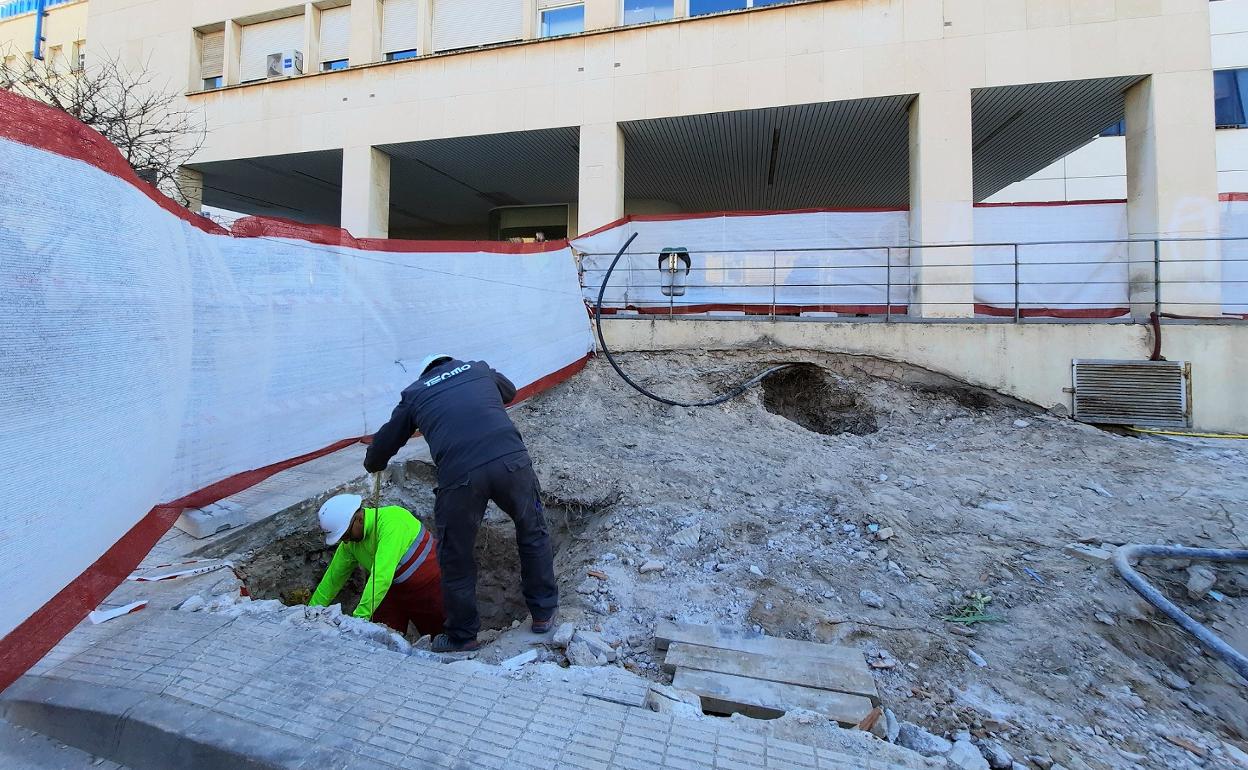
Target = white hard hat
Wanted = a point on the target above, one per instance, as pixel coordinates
(428, 360)
(335, 516)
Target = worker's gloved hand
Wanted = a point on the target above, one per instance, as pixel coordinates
(373, 466)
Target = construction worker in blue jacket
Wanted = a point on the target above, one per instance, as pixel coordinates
(459, 408)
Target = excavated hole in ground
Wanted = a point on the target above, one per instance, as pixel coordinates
(289, 567)
(812, 397)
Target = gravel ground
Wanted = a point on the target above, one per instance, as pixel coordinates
(832, 505)
(917, 502)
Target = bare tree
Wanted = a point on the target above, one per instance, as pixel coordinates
(152, 127)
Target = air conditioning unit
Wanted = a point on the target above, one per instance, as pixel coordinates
(285, 64)
(1155, 394)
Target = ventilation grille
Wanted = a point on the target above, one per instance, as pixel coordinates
(1147, 393)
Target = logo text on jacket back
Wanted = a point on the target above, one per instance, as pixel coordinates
(447, 375)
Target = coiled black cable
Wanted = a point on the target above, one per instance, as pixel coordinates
(611, 359)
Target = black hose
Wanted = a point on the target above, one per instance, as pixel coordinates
(611, 359)
(1127, 553)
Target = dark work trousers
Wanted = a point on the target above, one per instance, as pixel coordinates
(511, 483)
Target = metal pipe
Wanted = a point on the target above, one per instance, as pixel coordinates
(1128, 553)
(41, 10)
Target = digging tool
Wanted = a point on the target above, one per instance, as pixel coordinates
(372, 570)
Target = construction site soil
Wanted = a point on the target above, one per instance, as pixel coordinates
(884, 507)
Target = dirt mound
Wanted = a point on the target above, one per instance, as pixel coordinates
(832, 505)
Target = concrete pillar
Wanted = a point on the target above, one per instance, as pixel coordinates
(197, 56)
(941, 205)
(191, 183)
(424, 17)
(365, 44)
(365, 192)
(1172, 192)
(601, 198)
(602, 14)
(233, 51)
(529, 28)
(311, 38)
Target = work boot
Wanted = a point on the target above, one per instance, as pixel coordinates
(544, 626)
(443, 643)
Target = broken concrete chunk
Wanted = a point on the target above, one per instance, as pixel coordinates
(1199, 580)
(193, 603)
(518, 661)
(754, 570)
(579, 654)
(891, 726)
(998, 758)
(1022, 424)
(976, 658)
(915, 738)
(965, 756)
(689, 536)
(587, 586)
(871, 599)
(596, 644)
(884, 533)
(205, 522)
(563, 634)
(652, 566)
(1088, 553)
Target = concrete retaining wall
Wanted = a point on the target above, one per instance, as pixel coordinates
(1027, 361)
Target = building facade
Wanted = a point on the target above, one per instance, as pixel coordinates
(1098, 171)
(471, 119)
(63, 32)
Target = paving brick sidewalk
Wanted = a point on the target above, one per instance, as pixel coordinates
(390, 709)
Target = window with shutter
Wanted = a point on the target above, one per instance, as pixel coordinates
(260, 40)
(211, 54)
(400, 27)
(335, 33)
(469, 23)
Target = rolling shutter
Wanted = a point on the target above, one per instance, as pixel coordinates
(260, 40)
(212, 54)
(400, 27)
(335, 33)
(468, 23)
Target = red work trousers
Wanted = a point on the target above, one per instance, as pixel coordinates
(417, 599)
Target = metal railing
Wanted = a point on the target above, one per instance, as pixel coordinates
(1075, 280)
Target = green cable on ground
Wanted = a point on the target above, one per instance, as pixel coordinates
(1188, 435)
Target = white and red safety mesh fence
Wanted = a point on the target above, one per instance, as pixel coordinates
(150, 360)
(812, 263)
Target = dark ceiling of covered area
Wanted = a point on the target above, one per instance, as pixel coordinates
(848, 154)
(305, 187)
(832, 154)
(1018, 130)
(448, 182)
